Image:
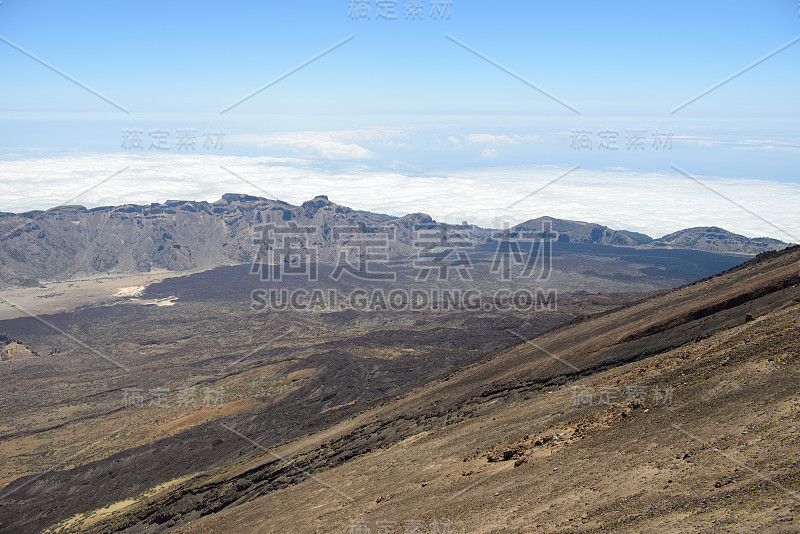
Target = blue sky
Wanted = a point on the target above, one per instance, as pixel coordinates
(400, 96)
(603, 57)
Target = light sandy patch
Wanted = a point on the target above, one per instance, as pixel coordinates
(66, 295)
(169, 301)
(131, 291)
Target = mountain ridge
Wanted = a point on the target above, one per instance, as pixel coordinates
(180, 235)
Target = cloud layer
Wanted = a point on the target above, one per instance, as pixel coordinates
(653, 203)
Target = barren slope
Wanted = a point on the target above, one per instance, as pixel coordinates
(719, 453)
(497, 402)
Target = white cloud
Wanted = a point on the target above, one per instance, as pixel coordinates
(769, 145)
(734, 143)
(326, 145)
(653, 203)
(489, 139)
(332, 144)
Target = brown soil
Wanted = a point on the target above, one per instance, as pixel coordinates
(722, 456)
(501, 446)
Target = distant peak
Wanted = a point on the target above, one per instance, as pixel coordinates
(319, 201)
(418, 216)
(315, 204)
(239, 197)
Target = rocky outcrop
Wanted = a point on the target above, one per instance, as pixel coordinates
(579, 232)
(14, 349)
(714, 239)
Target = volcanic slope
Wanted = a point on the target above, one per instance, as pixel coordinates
(674, 413)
